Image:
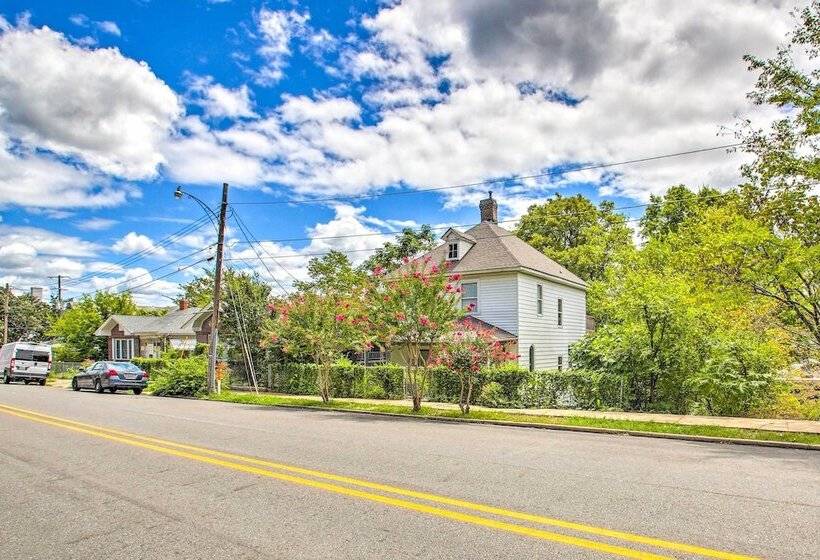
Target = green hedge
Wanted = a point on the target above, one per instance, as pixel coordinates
(151, 364)
(358, 381)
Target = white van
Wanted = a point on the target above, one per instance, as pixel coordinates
(25, 361)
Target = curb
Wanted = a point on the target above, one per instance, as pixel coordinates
(559, 427)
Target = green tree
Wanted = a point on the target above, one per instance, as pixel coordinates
(408, 244)
(332, 271)
(29, 319)
(786, 165)
(666, 213)
(245, 300)
(575, 233)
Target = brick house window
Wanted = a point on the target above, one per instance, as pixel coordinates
(123, 348)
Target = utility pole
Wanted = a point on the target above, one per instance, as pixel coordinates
(6, 314)
(220, 243)
(59, 278)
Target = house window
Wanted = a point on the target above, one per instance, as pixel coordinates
(532, 357)
(452, 251)
(469, 296)
(123, 348)
(539, 299)
(560, 312)
(560, 363)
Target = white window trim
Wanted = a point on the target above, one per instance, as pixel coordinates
(559, 306)
(477, 298)
(118, 344)
(450, 245)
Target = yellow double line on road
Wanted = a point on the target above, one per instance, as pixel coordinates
(260, 467)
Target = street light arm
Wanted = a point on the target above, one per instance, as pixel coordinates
(179, 193)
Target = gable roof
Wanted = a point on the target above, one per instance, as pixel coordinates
(468, 321)
(176, 322)
(496, 248)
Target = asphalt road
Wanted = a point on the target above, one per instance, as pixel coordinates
(97, 491)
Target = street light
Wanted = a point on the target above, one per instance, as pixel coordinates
(219, 224)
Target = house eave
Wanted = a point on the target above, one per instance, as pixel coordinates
(531, 272)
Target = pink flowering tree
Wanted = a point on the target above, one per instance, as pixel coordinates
(465, 352)
(323, 326)
(414, 310)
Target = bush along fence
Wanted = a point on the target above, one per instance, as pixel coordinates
(505, 386)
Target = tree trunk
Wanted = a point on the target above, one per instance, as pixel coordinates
(324, 382)
(465, 407)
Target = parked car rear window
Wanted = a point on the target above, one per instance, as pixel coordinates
(124, 366)
(31, 355)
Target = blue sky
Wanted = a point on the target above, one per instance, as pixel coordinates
(105, 107)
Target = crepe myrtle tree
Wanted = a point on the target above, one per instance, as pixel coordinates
(414, 309)
(322, 326)
(465, 352)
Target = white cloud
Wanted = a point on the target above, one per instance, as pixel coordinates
(220, 101)
(94, 224)
(134, 242)
(108, 111)
(465, 91)
(277, 28)
(47, 242)
(197, 155)
(109, 27)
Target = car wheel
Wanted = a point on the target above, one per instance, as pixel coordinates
(98, 386)
(6, 378)
(137, 391)
(74, 385)
(112, 390)
(26, 381)
(42, 382)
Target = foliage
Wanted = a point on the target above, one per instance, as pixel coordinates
(466, 351)
(665, 214)
(30, 319)
(185, 377)
(322, 325)
(331, 272)
(407, 245)
(414, 310)
(575, 233)
(492, 395)
(75, 327)
(347, 380)
(245, 296)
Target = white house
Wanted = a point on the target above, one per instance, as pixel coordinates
(537, 306)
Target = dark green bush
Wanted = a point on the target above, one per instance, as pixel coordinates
(184, 377)
(150, 364)
(357, 381)
(492, 394)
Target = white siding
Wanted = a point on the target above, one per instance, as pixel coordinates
(550, 340)
(497, 299)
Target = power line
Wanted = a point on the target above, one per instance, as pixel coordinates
(248, 236)
(131, 259)
(493, 181)
(438, 228)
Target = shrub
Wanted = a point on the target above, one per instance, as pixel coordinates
(509, 375)
(347, 380)
(150, 364)
(492, 394)
(185, 377)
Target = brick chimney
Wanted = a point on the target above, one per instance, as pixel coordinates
(183, 304)
(489, 209)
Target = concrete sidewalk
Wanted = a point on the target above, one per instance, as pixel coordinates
(769, 424)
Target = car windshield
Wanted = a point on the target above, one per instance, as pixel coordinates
(124, 367)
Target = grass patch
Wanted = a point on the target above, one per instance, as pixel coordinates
(431, 412)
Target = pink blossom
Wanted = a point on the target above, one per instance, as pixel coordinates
(405, 260)
(427, 259)
(401, 316)
(340, 317)
(378, 271)
(434, 269)
(455, 277)
(424, 320)
(470, 306)
(448, 288)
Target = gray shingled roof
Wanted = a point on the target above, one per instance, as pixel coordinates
(499, 249)
(176, 322)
